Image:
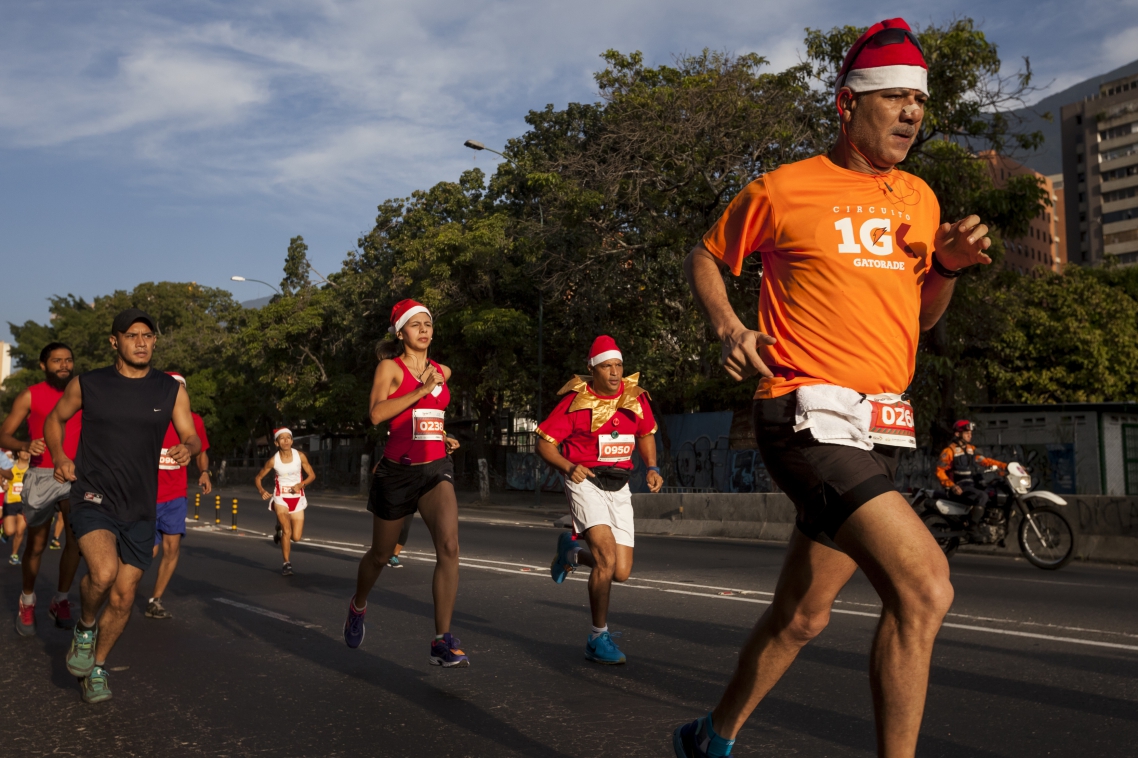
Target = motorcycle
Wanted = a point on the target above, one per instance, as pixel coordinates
(1045, 535)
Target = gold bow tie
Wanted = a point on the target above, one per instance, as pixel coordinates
(603, 408)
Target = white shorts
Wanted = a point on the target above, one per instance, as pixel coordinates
(592, 506)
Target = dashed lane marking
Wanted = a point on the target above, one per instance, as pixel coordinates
(267, 612)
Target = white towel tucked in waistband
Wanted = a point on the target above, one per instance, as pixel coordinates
(834, 415)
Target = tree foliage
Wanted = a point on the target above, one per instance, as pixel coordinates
(588, 221)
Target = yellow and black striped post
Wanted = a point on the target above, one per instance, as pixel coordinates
(197, 506)
(233, 526)
(217, 510)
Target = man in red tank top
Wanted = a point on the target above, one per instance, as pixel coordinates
(170, 526)
(43, 495)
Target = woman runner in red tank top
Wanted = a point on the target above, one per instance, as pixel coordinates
(415, 473)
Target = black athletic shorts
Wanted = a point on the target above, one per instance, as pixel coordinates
(397, 487)
(825, 482)
(135, 539)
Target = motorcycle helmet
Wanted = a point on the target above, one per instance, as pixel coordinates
(962, 426)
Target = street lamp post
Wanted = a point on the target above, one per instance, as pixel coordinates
(258, 281)
(476, 145)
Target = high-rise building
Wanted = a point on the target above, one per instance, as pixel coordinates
(1044, 246)
(5, 362)
(1100, 173)
(1059, 211)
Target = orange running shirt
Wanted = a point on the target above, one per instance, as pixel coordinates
(843, 264)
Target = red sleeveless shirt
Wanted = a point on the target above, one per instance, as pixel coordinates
(44, 397)
(416, 435)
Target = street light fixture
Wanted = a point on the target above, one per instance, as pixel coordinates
(258, 281)
(474, 144)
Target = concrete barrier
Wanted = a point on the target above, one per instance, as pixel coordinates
(1106, 527)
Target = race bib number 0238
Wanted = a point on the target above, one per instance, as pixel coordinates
(615, 449)
(892, 423)
(428, 424)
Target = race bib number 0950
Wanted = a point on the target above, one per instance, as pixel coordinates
(428, 424)
(615, 449)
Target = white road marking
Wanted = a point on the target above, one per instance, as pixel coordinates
(1032, 581)
(267, 612)
(538, 571)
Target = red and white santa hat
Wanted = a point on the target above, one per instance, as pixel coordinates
(283, 430)
(403, 311)
(886, 56)
(604, 349)
(178, 377)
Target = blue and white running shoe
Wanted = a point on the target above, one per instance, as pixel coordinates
(446, 653)
(562, 563)
(692, 740)
(603, 650)
(354, 626)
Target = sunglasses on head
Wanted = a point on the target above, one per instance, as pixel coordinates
(885, 38)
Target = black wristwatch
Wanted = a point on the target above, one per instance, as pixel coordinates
(947, 273)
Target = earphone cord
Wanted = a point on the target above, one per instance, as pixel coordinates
(880, 175)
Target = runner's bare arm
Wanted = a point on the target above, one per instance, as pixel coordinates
(21, 407)
(646, 446)
(55, 425)
(306, 467)
(388, 377)
(183, 421)
(551, 455)
(202, 461)
(956, 246)
(740, 354)
(261, 475)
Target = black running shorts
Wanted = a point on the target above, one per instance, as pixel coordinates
(134, 539)
(396, 487)
(826, 483)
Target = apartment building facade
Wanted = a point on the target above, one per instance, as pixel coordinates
(1100, 173)
(1043, 248)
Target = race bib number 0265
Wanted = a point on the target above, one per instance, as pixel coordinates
(615, 449)
(892, 424)
(428, 424)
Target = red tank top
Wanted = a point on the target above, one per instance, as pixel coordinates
(44, 398)
(416, 435)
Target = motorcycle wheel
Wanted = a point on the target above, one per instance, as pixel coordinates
(938, 523)
(1050, 544)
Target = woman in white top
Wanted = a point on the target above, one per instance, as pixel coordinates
(293, 474)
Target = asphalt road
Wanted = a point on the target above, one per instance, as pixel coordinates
(1031, 663)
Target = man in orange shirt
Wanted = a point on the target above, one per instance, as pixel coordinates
(855, 264)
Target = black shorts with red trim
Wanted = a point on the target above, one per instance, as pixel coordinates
(397, 487)
(826, 483)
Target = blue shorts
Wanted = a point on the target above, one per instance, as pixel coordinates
(171, 518)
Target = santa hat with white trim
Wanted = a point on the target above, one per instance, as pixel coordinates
(888, 55)
(177, 377)
(402, 313)
(604, 349)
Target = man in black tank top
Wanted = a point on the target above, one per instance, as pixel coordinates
(114, 484)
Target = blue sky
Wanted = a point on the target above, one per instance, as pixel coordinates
(189, 140)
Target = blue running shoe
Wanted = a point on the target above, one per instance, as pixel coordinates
(446, 653)
(562, 563)
(354, 626)
(394, 563)
(694, 740)
(603, 650)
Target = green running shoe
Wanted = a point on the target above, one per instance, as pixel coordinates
(96, 688)
(81, 654)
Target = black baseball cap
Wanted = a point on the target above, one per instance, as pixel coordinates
(123, 321)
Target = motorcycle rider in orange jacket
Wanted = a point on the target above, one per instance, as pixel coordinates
(958, 467)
